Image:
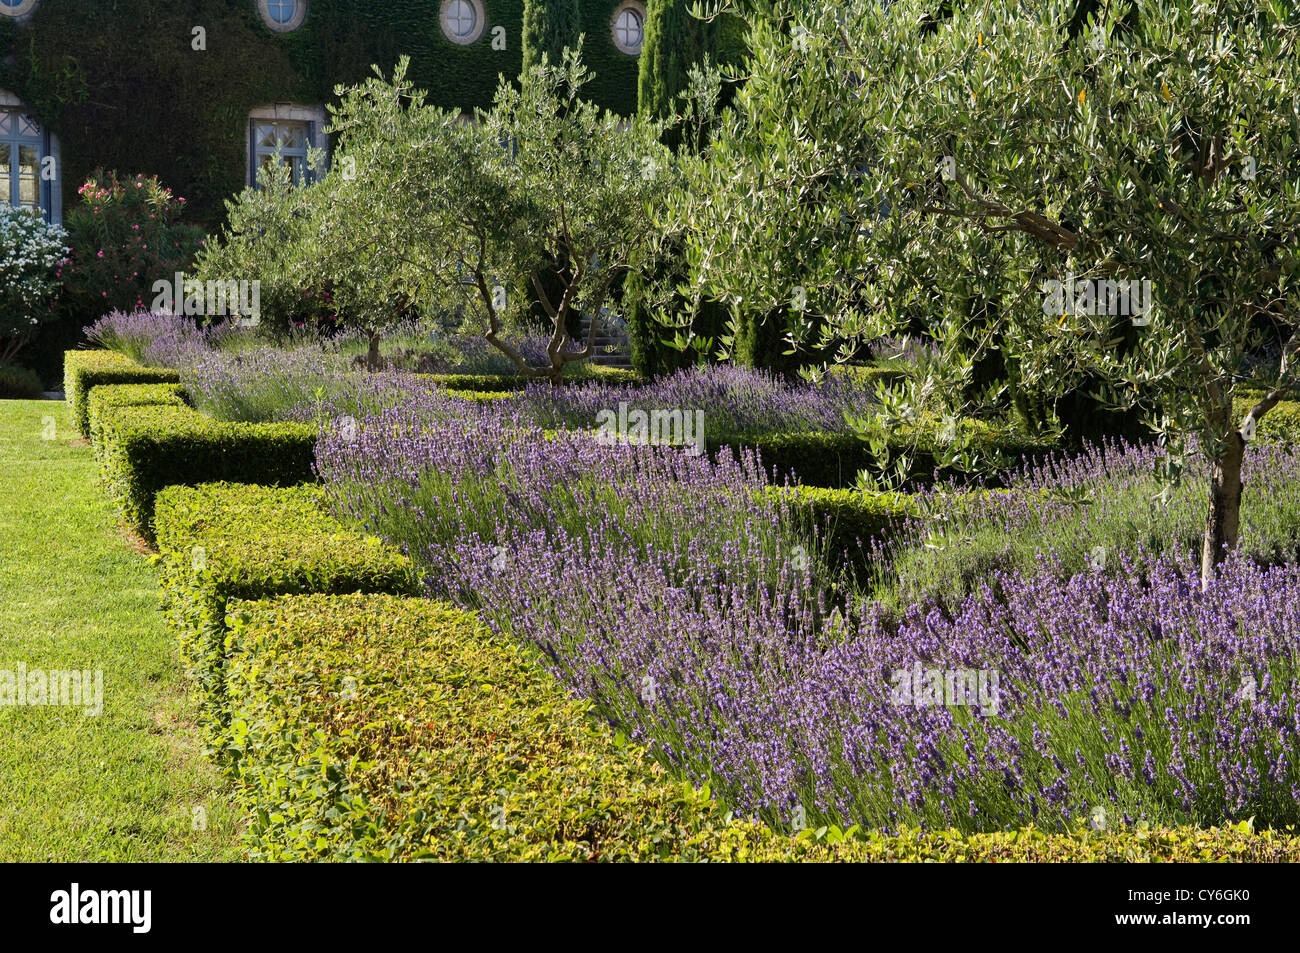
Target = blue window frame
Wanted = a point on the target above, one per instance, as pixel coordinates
(281, 140)
(23, 148)
(281, 11)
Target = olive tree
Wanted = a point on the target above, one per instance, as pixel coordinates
(1119, 179)
(543, 196)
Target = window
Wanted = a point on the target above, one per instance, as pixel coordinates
(463, 21)
(279, 140)
(17, 8)
(281, 15)
(629, 28)
(23, 148)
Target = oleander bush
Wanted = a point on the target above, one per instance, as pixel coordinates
(85, 370)
(224, 541)
(149, 448)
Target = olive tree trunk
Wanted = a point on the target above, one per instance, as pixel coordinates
(1223, 521)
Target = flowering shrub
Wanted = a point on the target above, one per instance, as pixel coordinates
(126, 235)
(30, 253)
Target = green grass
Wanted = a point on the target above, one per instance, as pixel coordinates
(124, 785)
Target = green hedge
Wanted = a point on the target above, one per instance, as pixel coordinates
(224, 541)
(85, 370)
(371, 727)
(868, 375)
(481, 396)
(149, 448)
(843, 517)
(128, 395)
(503, 383)
(833, 460)
(1281, 424)
(377, 728)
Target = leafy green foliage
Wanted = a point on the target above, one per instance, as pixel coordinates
(225, 541)
(957, 175)
(146, 449)
(85, 370)
(19, 383)
(107, 396)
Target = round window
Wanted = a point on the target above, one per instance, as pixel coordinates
(462, 20)
(629, 28)
(17, 8)
(283, 15)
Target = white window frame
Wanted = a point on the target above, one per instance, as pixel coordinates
(51, 193)
(20, 12)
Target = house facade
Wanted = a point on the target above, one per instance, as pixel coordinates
(203, 93)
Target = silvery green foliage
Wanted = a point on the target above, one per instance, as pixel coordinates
(30, 253)
(894, 174)
(422, 208)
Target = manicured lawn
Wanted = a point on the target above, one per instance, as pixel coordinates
(123, 785)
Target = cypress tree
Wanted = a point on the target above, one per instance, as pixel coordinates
(549, 26)
(674, 41)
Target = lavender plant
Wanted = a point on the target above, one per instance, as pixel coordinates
(161, 339)
(734, 401)
(661, 588)
(1082, 511)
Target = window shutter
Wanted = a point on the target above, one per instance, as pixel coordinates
(252, 152)
(311, 144)
(46, 188)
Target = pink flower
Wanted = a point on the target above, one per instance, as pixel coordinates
(101, 253)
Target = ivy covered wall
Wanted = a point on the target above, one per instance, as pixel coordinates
(121, 85)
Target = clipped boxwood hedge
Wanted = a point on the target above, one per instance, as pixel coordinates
(128, 395)
(834, 459)
(481, 396)
(85, 370)
(843, 517)
(1281, 424)
(504, 383)
(868, 375)
(149, 448)
(478, 383)
(372, 727)
(224, 541)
